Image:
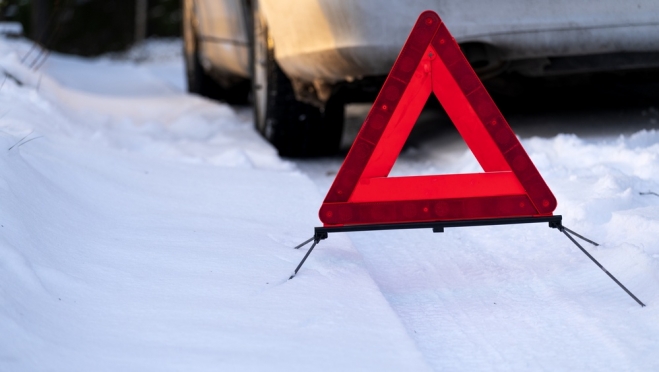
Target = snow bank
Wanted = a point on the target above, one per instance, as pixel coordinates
(147, 229)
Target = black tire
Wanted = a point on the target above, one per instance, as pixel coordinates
(199, 81)
(295, 128)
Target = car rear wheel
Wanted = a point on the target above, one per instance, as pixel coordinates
(295, 128)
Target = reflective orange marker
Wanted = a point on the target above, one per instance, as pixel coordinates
(432, 62)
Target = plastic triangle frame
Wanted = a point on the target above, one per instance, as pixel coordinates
(431, 62)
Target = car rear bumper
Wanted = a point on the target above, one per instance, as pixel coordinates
(339, 40)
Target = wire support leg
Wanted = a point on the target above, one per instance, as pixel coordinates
(305, 243)
(315, 242)
(581, 237)
(602, 267)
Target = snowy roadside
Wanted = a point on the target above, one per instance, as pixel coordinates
(146, 229)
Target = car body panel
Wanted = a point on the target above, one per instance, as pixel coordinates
(333, 40)
(222, 36)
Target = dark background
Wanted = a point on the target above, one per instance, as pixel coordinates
(90, 27)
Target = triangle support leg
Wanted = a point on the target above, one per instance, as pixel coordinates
(567, 232)
(316, 239)
(580, 237)
(305, 243)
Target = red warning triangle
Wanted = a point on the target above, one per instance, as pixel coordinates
(432, 62)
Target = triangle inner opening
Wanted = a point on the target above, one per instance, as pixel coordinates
(435, 146)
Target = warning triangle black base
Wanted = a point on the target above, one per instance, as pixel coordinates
(555, 222)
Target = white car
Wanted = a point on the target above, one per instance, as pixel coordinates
(301, 61)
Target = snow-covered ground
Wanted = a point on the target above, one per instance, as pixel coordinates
(142, 228)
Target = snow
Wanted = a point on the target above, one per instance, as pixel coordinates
(11, 28)
(155, 232)
(143, 228)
